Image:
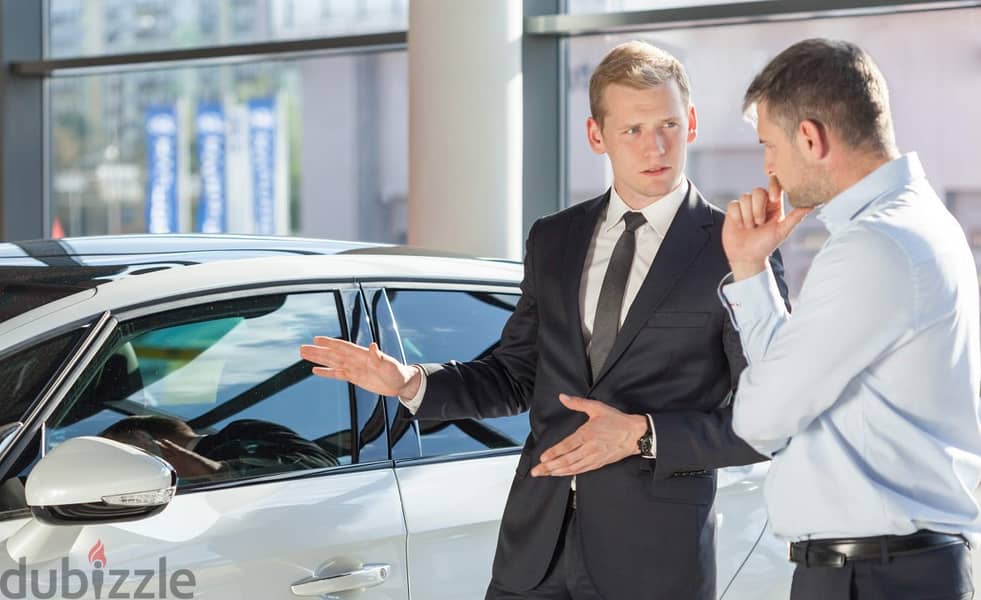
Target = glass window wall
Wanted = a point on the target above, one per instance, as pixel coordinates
(933, 90)
(314, 147)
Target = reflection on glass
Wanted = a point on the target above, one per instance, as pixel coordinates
(933, 89)
(96, 27)
(315, 147)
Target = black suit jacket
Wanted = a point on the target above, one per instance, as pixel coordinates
(647, 525)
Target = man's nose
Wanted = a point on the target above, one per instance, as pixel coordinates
(657, 144)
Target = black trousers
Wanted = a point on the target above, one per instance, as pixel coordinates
(566, 579)
(933, 574)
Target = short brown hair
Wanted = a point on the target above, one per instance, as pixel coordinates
(639, 65)
(832, 82)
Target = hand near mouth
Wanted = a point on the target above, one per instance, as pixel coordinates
(755, 225)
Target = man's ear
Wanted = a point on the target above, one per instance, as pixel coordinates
(692, 124)
(813, 138)
(594, 134)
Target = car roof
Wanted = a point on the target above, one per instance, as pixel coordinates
(34, 273)
(177, 248)
(112, 288)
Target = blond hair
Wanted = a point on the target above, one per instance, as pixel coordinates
(639, 65)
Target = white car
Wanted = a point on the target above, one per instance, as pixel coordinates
(300, 486)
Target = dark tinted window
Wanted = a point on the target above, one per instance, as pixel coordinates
(439, 326)
(219, 389)
(25, 374)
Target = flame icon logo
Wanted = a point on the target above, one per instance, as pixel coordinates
(97, 555)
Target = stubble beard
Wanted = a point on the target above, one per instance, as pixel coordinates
(815, 189)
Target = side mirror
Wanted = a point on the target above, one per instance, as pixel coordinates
(88, 481)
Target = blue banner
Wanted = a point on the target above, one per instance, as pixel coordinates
(161, 153)
(212, 207)
(262, 157)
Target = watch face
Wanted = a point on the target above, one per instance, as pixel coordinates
(644, 444)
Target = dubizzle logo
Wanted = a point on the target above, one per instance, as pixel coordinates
(102, 582)
(97, 555)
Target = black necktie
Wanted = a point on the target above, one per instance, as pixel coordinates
(607, 321)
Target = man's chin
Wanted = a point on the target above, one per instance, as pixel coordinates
(805, 200)
(662, 189)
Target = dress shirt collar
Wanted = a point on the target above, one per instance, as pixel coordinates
(847, 205)
(659, 213)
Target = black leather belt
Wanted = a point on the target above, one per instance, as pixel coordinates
(837, 552)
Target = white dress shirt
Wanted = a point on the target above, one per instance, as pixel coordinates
(867, 396)
(608, 230)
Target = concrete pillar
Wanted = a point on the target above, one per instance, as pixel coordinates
(465, 126)
(23, 201)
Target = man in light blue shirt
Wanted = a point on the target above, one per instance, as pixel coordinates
(867, 397)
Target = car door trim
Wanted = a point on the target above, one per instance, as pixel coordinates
(449, 286)
(143, 309)
(287, 476)
(457, 457)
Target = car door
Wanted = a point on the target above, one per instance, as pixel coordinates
(752, 564)
(286, 486)
(455, 476)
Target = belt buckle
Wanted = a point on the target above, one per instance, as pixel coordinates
(837, 559)
(813, 556)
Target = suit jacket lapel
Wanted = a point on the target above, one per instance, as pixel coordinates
(582, 225)
(684, 241)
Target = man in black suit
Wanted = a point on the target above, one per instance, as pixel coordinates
(626, 363)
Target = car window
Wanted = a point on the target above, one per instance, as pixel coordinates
(218, 389)
(24, 374)
(439, 326)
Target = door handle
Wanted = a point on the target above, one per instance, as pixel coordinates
(367, 576)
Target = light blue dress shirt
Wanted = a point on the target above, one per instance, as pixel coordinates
(867, 396)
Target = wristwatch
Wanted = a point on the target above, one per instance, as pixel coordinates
(646, 442)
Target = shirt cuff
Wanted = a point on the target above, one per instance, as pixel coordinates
(650, 420)
(415, 402)
(752, 299)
